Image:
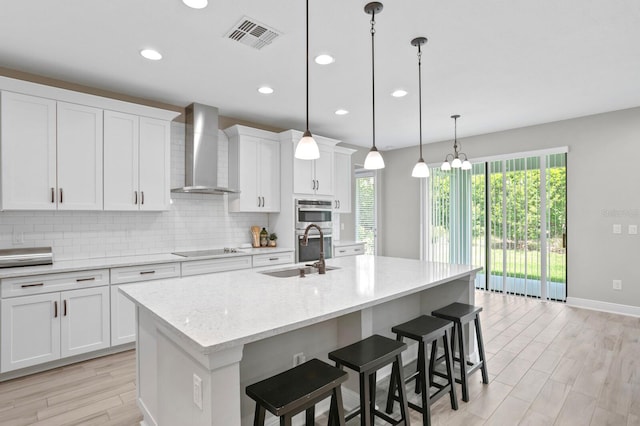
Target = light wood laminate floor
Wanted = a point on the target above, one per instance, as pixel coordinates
(548, 364)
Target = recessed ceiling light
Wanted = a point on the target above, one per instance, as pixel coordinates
(399, 93)
(324, 59)
(342, 112)
(196, 4)
(151, 54)
(265, 90)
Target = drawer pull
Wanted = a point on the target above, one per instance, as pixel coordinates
(79, 280)
(342, 251)
(55, 309)
(64, 308)
(274, 258)
(147, 272)
(32, 285)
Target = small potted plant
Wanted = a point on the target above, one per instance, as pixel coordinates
(272, 240)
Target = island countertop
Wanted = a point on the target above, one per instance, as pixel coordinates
(219, 311)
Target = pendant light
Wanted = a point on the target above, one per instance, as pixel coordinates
(374, 159)
(307, 148)
(420, 170)
(455, 160)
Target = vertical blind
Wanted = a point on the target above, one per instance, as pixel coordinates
(366, 210)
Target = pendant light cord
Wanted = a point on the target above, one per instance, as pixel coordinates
(373, 77)
(307, 65)
(420, 96)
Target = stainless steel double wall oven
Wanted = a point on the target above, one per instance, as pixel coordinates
(318, 212)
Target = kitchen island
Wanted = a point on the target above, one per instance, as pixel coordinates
(202, 339)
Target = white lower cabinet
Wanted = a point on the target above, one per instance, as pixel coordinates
(46, 327)
(123, 318)
(348, 250)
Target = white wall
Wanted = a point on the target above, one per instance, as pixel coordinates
(194, 222)
(603, 185)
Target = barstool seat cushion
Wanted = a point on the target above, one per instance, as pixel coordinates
(459, 312)
(423, 328)
(296, 387)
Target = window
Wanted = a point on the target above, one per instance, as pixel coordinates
(366, 218)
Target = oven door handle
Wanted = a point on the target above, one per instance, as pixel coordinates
(311, 209)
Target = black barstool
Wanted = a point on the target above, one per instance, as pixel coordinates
(462, 314)
(366, 357)
(426, 330)
(300, 389)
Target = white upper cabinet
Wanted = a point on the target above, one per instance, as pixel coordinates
(254, 169)
(51, 154)
(52, 148)
(28, 152)
(136, 162)
(342, 179)
(311, 177)
(79, 155)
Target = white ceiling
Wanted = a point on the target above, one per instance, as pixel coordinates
(499, 63)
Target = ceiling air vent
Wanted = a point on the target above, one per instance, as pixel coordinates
(252, 33)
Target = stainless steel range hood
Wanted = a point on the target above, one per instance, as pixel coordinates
(201, 151)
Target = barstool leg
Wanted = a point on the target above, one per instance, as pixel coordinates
(483, 367)
(404, 407)
(422, 378)
(285, 420)
(449, 364)
(372, 396)
(421, 362)
(463, 364)
(311, 416)
(258, 418)
(337, 419)
(432, 360)
(392, 385)
(365, 401)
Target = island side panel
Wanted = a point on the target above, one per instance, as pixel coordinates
(146, 367)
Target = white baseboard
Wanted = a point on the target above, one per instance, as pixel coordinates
(597, 305)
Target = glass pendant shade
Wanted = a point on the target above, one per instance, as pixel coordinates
(456, 163)
(445, 166)
(420, 170)
(374, 160)
(466, 165)
(307, 148)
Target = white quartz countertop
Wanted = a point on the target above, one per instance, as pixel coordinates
(114, 262)
(218, 311)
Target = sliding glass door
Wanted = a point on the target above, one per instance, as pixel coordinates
(507, 216)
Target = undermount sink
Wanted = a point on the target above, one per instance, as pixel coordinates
(295, 272)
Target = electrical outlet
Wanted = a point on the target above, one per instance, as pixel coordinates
(299, 358)
(633, 229)
(617, 228)
(18, 236)
(197, 391)
(617, 284)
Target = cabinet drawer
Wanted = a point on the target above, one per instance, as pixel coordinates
(348, 250)
(272, 259)
(37, 284)
(131, 274)
(208, 266)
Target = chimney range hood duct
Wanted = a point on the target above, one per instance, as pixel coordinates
(201, 151)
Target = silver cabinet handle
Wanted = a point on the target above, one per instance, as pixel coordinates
(64, 310)
(60, 195)
(317, 184)
(314, 184)
(32, 285)
(147, 272)
(272, 259)
(262, 201)
(55, 309)
(135, 199)
(142, 197)
(258, 201)
(79, 280)
(341, 251)
(53, 195)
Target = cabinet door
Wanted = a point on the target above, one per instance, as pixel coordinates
(342, 182)
(28, 152)
(121, 139)
(269, 179)
(324, 171)
(79, 154)
(123, 318)
(248, 162)
(84, 320)
(154, 164)
(30, 331)
(304, 176)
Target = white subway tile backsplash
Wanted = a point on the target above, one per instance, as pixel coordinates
(194, 221)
